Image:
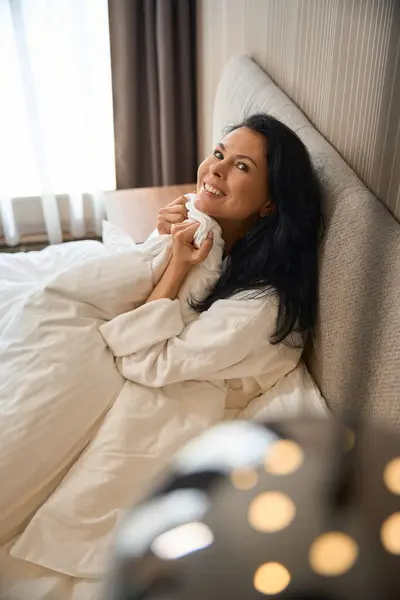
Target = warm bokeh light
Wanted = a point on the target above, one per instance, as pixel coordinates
(271, 578)
(333, 554)
(390, 534)
(283, 458)
(244, 479)
(271, 511)
(391, 476)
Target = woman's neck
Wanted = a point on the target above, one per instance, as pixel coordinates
(233, 231)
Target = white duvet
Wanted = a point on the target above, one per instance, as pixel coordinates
(79, 443)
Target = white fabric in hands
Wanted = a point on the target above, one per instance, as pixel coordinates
(201, 278)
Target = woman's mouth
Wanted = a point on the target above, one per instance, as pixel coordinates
(211, 190)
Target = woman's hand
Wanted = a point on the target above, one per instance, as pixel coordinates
(184, 255)
(184, 252)
(173, 214)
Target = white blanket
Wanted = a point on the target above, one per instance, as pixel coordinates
(58, 379)
(78, 443)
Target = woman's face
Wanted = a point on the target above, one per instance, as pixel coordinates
(232, 183)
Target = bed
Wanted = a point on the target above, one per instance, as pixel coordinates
(359, 316)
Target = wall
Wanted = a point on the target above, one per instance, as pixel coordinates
(337, 59)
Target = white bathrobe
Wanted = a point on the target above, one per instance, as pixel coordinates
(166, 342)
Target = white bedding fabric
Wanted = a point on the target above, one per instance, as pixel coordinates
(82, 435)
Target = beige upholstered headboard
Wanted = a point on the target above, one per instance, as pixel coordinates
(355, 356)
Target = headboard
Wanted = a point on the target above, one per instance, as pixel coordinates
(355, 355)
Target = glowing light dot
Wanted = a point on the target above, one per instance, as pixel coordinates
(333, 554)
(271, 578)
(390, 533)
(283, 458)
(271, 511)
(391, 476)
(244, 479)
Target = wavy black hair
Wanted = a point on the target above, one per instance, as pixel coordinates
(280, 253)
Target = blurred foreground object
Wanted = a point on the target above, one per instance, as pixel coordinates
(296, 510)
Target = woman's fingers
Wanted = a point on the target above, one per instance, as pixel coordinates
(185, 230)
(178, 209)
(187, 224)
(172, 218)
(171, 213)
(204, 249)
(185, 233)
(183, 249)
(175, 212)
(179, 201)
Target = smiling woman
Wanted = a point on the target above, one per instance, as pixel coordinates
(236, 170)
(259, 185)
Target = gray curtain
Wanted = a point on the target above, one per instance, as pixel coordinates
(153, 50)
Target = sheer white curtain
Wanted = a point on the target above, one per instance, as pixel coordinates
(56, 121)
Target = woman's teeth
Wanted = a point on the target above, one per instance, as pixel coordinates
(212, 190)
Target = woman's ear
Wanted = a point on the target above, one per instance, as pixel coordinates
(266, 210)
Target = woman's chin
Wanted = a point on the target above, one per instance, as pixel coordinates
(202, 206)
(207, 205)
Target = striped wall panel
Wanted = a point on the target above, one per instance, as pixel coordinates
(337, 59)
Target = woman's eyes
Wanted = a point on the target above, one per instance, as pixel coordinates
(240, 165)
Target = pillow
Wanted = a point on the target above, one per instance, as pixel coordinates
(295, 395)
(115, 239)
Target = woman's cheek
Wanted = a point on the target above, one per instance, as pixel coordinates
(200, 176)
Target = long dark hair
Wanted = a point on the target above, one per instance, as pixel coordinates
(280, 253)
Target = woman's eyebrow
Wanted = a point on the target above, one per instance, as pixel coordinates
(239, 155)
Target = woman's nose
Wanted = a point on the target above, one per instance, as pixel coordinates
(217, 169)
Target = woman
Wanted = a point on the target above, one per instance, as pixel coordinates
(260, 187)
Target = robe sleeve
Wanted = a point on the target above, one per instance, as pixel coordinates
(153, 346)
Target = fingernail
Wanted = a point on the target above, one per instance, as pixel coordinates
(210, 235)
